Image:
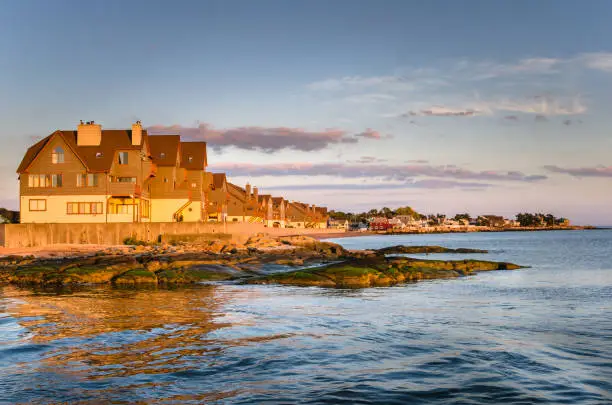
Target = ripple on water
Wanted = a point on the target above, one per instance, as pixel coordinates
(540, 335)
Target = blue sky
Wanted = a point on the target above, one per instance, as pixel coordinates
(480, 106)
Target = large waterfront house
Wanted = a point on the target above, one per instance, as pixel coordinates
(95, 175)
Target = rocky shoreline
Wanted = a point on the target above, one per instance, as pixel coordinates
(295, 260)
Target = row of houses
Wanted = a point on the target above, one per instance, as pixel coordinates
(95, 175)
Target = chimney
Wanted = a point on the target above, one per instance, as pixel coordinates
(255, 193)
(89, 134)
(248, 191)
(136, 133)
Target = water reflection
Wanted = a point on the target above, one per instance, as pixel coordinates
(103, 334)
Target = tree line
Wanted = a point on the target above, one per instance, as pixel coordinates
(524, 219)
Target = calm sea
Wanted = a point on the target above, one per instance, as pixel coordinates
(538, 335)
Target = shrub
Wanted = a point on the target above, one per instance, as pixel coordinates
(133, 241)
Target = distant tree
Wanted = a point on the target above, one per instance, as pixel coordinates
(408, 211)
(386, 212)
(463, 217)
(8, 216)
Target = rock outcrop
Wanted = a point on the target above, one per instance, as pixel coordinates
(380, 271)
(261, 260)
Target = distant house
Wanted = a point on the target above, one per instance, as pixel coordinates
(396, 223)
(217, 197)
(338, 224)
(495, 221)
(380, 224)
(244, 205)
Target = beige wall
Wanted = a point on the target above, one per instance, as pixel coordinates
(162, 209)
(192, 213)
(56, 209)
(32, 235)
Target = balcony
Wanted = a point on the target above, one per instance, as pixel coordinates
(125, 190)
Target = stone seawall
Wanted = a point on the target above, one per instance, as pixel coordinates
(36, 235)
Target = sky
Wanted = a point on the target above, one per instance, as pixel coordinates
(486, 107)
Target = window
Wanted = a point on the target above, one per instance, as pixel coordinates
(87, 180)
(57, 156)
(190, 159)
(165, 179)
(44, 180)
(123, 158)
(56, 180)
(84, 208)
(99, 155)
(193, 185)
(162, 155)
(121, 209)
(38, 205)
(125, 179)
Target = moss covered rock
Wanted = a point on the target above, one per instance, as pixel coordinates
(380, 271)
(135, 277)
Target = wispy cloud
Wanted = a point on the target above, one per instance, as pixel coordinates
(266, 139)
(597, 171)
(482, 70)
(372, 134)
(378, 171)
(369, 98)
(597, 60)
(420, 184)
(359, 82)
(369, 159)
(543, 105)
(442, 111)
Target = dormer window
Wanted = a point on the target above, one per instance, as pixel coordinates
(162, 155)
(99, 155)
(122, 158)
(58, 155)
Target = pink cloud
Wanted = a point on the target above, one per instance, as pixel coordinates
(266, 139)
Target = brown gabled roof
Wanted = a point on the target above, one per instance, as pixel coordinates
(197, 152)
(236, 191)
(219, 180)
(164, 149)
(263, 199)
(277, 200)
(32, 152)
(95, 158)
(297, 207)
(321, 210)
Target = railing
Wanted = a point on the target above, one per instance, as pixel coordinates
(125, 189)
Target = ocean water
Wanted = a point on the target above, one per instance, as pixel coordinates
(541, 335)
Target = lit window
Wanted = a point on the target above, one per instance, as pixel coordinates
(123, 158)
(190, 159)
(193, 185)
(99, 155)
(57, 156)
(56, 180)
(84, 208)
(38, 205)
(44, 180)
(87, 180)
(162, 155)
(126, 179)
